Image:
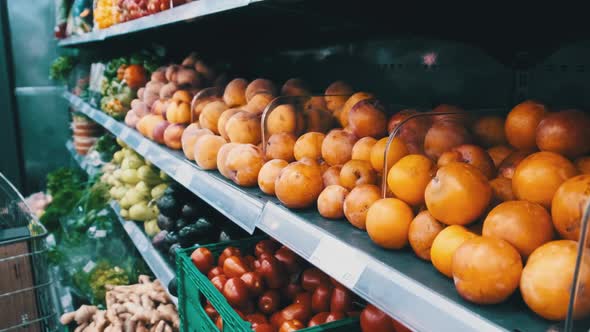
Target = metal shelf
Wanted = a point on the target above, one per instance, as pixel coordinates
(402, 285)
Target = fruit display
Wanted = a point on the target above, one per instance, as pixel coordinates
(85, 133)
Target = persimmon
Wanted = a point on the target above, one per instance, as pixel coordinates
(524, 225)
(443, 136)
(398, 118)
(332, 175)
(538, 176)
(331, 202)
(362, 148)
(357, 172)
(358, 202)
(458, 194)
(397, 150)
(499, 153)
(337, 94)
(367, 118)
(268, 175)
(470, 154)
(388, 221)
(412, 131)
(486, 270)
(547, 277)
(565, 132)
(337, 147)
(583, 165)
(501, 190)
(422, 232)
(489, 131)
(509, 164)
(309, 145)
(408, 178)
(299, 185)
(444, 246)
(568, 204)
(521, 124)
(349, 104)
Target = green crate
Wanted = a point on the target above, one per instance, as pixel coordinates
(193, 287)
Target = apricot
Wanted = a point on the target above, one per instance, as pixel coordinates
(258, 103)
(422, 232)
(524, 225)
(350, 102)
(568, 205)
(499, 153)
(222, 121)
(408, 178)
(444, 246)
(367, 118)
(280, 146)
(337, 94)
(397, 150)
(206, 149)
(565, 132)
(458, 194)
(222, 158)
(295, 87)
(521, 124)
(260, 85)
(501, 190)
(337, 147)
(443, 136)
(199, 102)
(173, 136)
(489, 131)
(357, 172)
(283, 119)
(358, 202)
(189, 138)
(538, 176)
(299, 185)
(388, 221)
(243, 163)
(547, 278)
(461, 117)
(235, 92)
(583, 165)
(244, 127)
(210, 114)
(309, 145)
(361, 150)
(268, 175)
(332, 176)
(331, 202)
(486, 270)
(472, 155)
(509, 164)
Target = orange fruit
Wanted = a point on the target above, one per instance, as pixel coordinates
(565, 132)
(547, 278)
(489, 130)
(538, 176)
(567, 207)
(444, 246)
(408, 178)
(521, 124)
(458, 194)
(362, 148)
(583, 165)
(397, 149)
(509, 164)
(486, 270)
(331, 202)
(470, 154)
(358, 202)
(268, 175)
(357, 172)
(501, 190)
(423, 230)
(388, 222)
(499, 153)
(524, 225)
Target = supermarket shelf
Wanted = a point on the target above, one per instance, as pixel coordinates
(81, 160)
(181, 13)
(407, 288)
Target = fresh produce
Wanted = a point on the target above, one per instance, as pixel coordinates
(61, 68)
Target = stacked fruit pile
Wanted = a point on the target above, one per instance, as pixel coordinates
(85, 133)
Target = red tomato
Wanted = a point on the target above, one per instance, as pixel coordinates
(291, 291)
(214, 272)
(341, 300)
(236, 292)
(375, 320)
(292, 325)
(202, 258)
(296, 311)
(234, 266)
(289, 259)
(254, 282)
(219, 282)
(227, 252)
(272, 272)
(269, 302)
(312, 278)
(334, 316)
(263, 328)
(265, 246)
(318, 319)
(320, 300)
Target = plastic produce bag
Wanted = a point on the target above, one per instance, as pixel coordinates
(80, 18)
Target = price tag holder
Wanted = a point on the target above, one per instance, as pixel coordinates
(89, 266)
(143, 147)
(129, 227)
(339, 260)
(100, 233)
(184, 174)
(124, 133)
(141, 244)
(109, 123)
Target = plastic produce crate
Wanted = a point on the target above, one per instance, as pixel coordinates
(194, 287)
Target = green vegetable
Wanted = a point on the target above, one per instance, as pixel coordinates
(61, 67)
(107, 147)
(105, 274)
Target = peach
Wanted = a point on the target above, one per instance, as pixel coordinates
(509, 164)
(268, 175)
(408, 178)
(222, 158)
(158, 131)
(173, 135)
(258, 103)
(422, 232)
(331, 202)
(280, 146)
(358, 202)
(197, 105)
(332, 176)
(489, 131)
(565, 132)
(337, 147)
(362, 148)
(260, 85)
(499, 153)
(183, 96)
(443, 136)
(159, 106)
(299, 185)
(397, 150)
(357, 172)
(235, 92)
(309, 145)
(243, 164)
(206, 149)
(367, 118)
(295, 87)
(521, 124)
(222, 121)
(349, 104)
(210, 114)
(244, 127)
(178, 112)
(283, 119)
(336, 95)
(189, 138)
(470, 154)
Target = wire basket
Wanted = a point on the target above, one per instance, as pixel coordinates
(26, 288)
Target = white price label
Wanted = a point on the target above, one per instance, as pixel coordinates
(339, 260)
(129, 227)
(51, 240)
(184, 174)
(89, 266)
(66, 300)
(124, 133)
(100, 233)
(141, 244)
(109, 123)
(143, 147)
